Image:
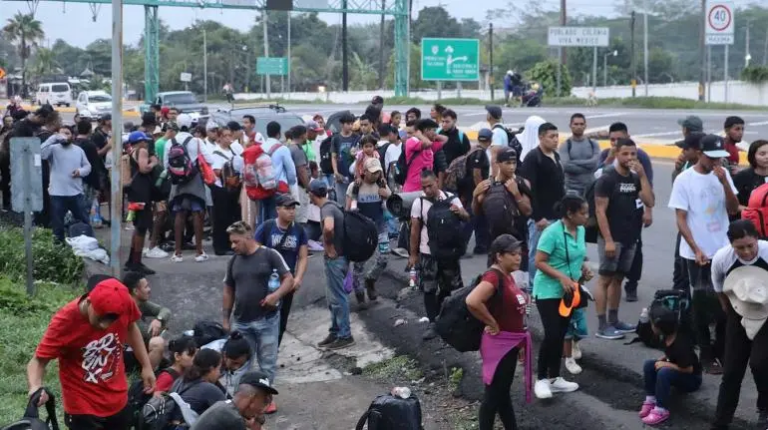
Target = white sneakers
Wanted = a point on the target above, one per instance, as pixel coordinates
(155, 252)
(544, 388)
(202, 257)
(572, 366)
(575, 350)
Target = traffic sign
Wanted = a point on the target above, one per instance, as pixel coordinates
(450, 59)
(272, 66)
(719, 23)
(185, 77)
(578, 36)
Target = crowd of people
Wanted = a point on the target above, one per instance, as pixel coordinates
(531, 202)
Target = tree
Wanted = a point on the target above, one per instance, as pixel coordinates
(26, 31)
(45, 62)
(545, 73)
(435, 22)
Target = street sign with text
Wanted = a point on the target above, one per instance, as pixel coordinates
(579, 36)
(450, 59)
(719, 23)
(272, 66)
(185, 77)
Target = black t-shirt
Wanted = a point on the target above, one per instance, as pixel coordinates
(745, 182)
(623, 193)
(681, 353)
(99, 138)
(456, 146)
(97, 164)
(475, 160)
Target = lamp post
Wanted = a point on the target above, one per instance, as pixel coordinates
(605, 66)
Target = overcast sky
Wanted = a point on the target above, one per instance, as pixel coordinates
(73, 21)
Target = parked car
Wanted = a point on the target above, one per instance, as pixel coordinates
(94, 104)
(58, 93)
(185, 101)
(264, 114)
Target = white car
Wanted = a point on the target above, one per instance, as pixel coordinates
(57, 94)
(94, 104)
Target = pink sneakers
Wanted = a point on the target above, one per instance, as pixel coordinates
(657, 416)
(646, 409)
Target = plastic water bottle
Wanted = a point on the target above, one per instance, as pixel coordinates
(274, 283)
(644, 316)
(413, 277)
(401, 392)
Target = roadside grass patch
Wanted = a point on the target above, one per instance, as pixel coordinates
(53, 263)
(401, 367)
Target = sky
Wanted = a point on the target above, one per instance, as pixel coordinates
(73, 22)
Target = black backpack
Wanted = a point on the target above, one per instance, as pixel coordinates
(361, 237)
(675, 300)
(158, 411)
(31, 419)
(388, 412)
(326, 148)
(512, 141)
(206, 331)
(401, 175)
(500, 210)
(444, 230)
(456, 325)
(137, 398)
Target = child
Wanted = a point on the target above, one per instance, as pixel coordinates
(368, 144)
(679, 367)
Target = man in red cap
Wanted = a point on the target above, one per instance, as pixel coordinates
(87, 337)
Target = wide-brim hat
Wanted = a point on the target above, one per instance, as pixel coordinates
(747, 289)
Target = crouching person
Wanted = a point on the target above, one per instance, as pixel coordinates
(246, 409)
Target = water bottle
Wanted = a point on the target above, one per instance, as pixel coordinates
(401, 392)
(644, 316)
(413, 276)
(274, 283)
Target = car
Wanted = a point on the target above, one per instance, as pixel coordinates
(55, 93)
(94, 104)
(264, 114)
(185, 101)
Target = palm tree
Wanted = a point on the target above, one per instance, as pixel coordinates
(45, 61)
(26, 31)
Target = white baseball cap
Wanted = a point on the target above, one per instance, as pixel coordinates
(184, 120)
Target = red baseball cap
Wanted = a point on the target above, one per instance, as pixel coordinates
(110, 296)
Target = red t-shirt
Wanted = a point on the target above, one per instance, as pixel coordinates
(164, 382)
(509, 315)
(733, 150)
(91, 367)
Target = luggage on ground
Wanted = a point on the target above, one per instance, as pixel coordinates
(388, 412)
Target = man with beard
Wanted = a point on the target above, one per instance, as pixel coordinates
(734, 132)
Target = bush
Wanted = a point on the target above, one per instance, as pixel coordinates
(755, 74)
(53, 263)
(545, 73)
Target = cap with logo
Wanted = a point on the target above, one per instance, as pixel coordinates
(713, 146)
(258, 380)
(506, 154)
(137, 136)
(372, 165)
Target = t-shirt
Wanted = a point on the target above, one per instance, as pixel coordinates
(164, 382)
(726, 260)
(332, 210)
(392, 155)
(703, 197)
(200, 395)
(98, 171)
(419, 160)
(100, 138)
(91, 366)
(270, 235)
(508, 309)
(343, 147)
(623, 200)
(369, 202)
(221, 416)
(221, 157)
(681, 353)
(420, 210)
(249, 276)
(553, 242)
(160, 148)
(499, 137)
(746, 181)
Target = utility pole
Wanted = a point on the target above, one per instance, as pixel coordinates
(633, 60)
(116, 189)
(747, 55)
(645, 47)
(490, 43)
(205, 66)
(765, 49)
(563, 22)
(702, 50)
(290, 69)
(344, 58)
(381, 45)
(266, 48)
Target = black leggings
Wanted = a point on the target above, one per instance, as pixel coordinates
(497, 398)
(551, 349)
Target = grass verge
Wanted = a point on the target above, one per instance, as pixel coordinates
(401, 366)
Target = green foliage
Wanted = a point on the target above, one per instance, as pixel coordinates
(545, 73)
(53, 263)
(455, 377)
(400, 367)
(755, 74)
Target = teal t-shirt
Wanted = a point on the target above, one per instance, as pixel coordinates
(160, 149)
(552, 242)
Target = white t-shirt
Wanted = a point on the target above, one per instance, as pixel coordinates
(392, 155)
(421, 213)
(725, 260)
(703, 197)
(220, 157)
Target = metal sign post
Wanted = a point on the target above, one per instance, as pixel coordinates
(726, 73)
(719, 26)
(116, 200)
(27, 191)
(594, 70)
(559, 69)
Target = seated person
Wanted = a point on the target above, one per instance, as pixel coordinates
(199, 387)
(183, 350)
(236, 354)
(245, 411)
(154, 320)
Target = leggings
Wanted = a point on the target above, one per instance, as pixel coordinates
(551, 349)
(497, 398)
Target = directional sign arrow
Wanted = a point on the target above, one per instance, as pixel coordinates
(449, 49)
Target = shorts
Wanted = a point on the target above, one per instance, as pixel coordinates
(577, 328)
(142, 220)
(188, 204)
(118, 421)
(442, 276)
(620, 264)
(699, 277)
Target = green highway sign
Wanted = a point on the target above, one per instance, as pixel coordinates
(272, 66)
(450, 59)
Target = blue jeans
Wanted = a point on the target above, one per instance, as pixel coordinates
(267, 209)
(336, 297)
(60, 205)
(262, 335)
(659, 382)
(341, 190)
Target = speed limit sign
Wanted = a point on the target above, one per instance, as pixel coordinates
(719, 23)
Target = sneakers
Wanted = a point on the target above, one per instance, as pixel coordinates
(631, 296)
(177, 258)
(646, 409)
(156, 253)
(400, 252)
(327, 341)
(624, 328)
(657, 416)
(609, 333)
(560, 385)
(146, 270)
(271, 408)
(342, 342)
(542, 389)
(202, 257)
(572, 366)
(430, 333)
(138, 268)
(576, 350)
(370, 288)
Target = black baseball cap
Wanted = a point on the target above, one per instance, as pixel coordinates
(692, 141)
(494, 111)
(485, 135)
(234, 126)
(318, 187)
(713, 146)
(258, 380)
(286, 200)
(506, 154)
(505, 243)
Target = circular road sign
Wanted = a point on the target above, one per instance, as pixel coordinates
(719, 18)
(2, 73)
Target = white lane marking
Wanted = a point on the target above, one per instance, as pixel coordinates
(474, 114)
(606, 115)
(757, 124)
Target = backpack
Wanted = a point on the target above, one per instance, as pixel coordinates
(158, 411)
(206, 331)
(674, 300)
(137, 398)
(259, 174)
(443, 228)
(388, 412)
(382, 150)
(591, 229)
(361, 237)
(456, 174)
(500, 209)
(757, 210)
(570, 145)
(456, 325)
(31, 419)
(326, 147)
(230, 179)
(512, 141)
(181, 169)
(401, 173)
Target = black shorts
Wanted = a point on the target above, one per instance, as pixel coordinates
(118, 421)
(142, 220)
